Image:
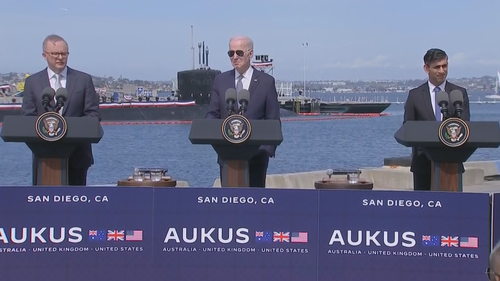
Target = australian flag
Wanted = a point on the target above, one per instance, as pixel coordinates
(431, 240)
(263, 236)
(97, 235)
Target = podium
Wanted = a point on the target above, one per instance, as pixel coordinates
(51, 153)
(235, 155)
(446, 155)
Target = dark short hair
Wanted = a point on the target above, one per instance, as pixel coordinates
(433, 55)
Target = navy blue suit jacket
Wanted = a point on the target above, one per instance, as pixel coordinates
(263, 102)
(82, 101)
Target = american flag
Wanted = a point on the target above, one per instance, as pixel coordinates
(469, 242)
(299, 237)
(449, 241)
(133, 235)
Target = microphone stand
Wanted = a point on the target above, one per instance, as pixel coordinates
(458, 111)
(59, 105)
(444, 111)
(242, 109)
(230, 108)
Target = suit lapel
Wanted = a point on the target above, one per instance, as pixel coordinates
(44, 79)
(70, 86)
(448, 88)
(45, 82)
(426, 97)
(254, 82)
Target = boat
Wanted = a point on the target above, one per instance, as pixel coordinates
(495, 95)
(190, 98)
(306, 105)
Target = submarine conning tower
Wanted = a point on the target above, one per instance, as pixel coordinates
(196, 84)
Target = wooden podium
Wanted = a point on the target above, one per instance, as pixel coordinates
(52, 139)
(235, 152)
(448, 144)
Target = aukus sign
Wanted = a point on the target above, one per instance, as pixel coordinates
(119, 233)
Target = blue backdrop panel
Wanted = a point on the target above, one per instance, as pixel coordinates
(403, 235)
(236, 234)
(74, 233)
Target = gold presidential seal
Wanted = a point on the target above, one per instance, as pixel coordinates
(453, 132)
(51, 126)
(236, 128)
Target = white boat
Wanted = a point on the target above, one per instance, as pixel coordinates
(495, 96)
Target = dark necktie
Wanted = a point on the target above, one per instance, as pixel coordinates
(239, 87)
(437, 109)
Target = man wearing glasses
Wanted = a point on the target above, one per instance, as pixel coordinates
(82, 99)
(263, 102)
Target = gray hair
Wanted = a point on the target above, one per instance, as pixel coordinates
(247, 39)
(53, 38)
(494, 257)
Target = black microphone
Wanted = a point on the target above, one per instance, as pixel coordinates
(457, 100)
(61, 96)
(243, 98)
(443, 102)
(47, 95)
(230, 100)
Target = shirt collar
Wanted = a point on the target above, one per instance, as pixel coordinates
(432, 86)
(247, 74)
(64, 72)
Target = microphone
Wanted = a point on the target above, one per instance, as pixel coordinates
(47, 95)
(243, 98)
(230, 100)
(443, 102)
(61, 96)
(457, 100)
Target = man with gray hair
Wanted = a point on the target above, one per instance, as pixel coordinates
(493, 270)
(82, 99)
(263, 102)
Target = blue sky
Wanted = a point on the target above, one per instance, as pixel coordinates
(348, 39)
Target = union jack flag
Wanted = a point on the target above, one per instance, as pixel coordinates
(281, 237)
(116, 235)
(449, 241)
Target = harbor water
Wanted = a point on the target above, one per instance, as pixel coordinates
(307, 146)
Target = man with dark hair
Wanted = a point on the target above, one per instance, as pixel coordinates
(82, 99)
(421, 105)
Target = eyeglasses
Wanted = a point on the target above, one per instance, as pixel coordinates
(239, 53)
(488, 271)
(56, 55)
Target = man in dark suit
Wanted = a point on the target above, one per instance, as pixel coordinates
(82, 99)
(263, 102)
(421, 105)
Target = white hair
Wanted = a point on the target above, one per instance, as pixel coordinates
(247, 39)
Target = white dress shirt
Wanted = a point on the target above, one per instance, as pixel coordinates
(433, 95)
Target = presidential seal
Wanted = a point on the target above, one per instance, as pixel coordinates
(51, 126)
(453, 132)
(236, 128)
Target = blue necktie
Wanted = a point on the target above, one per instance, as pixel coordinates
(437, 109)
